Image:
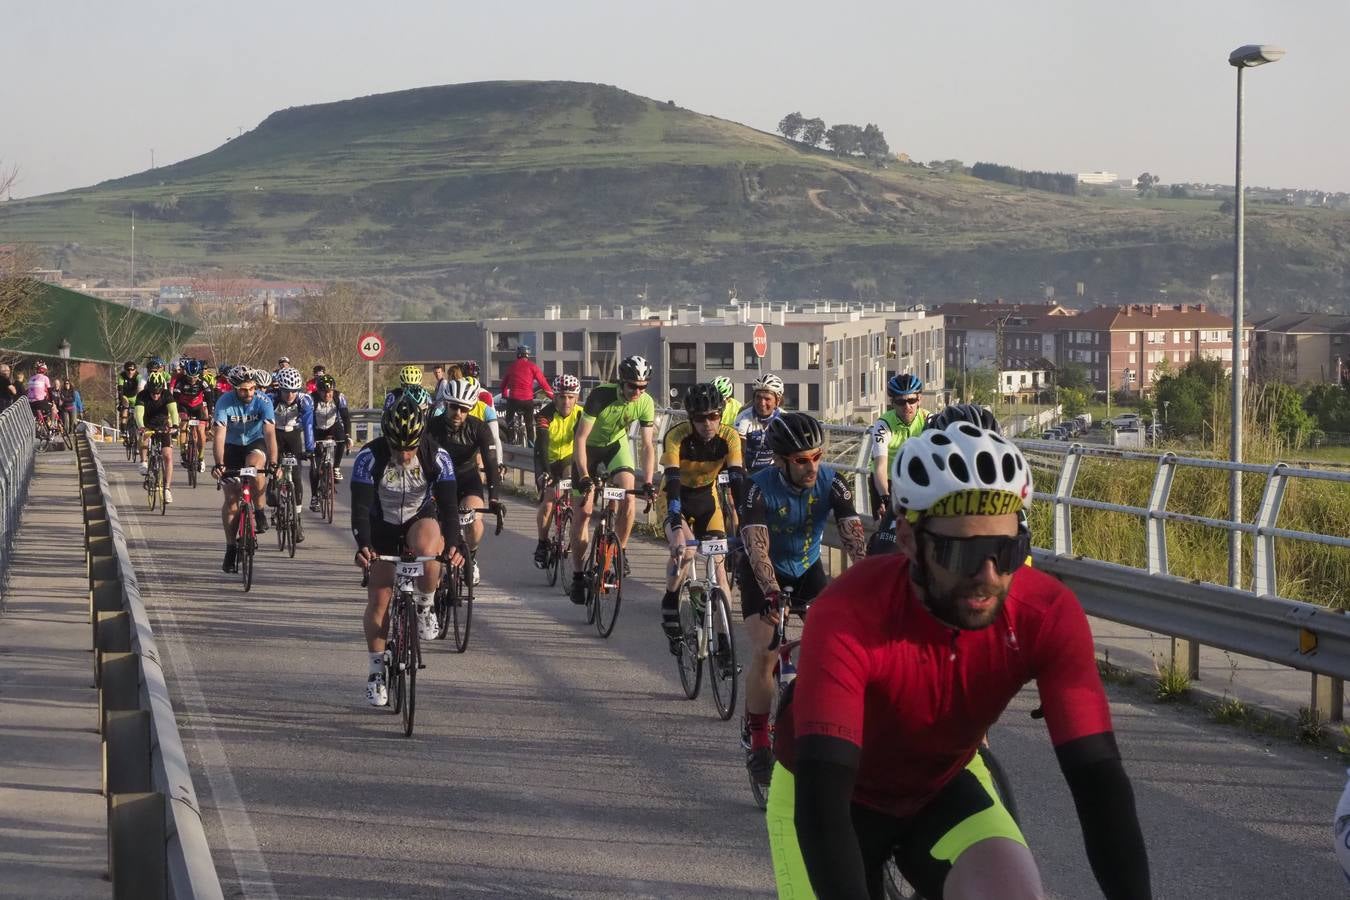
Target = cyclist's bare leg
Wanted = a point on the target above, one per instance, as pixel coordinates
(545, 513)
(378, 591)
(258, 459)
(994, 867)
(681, 555)
(142, 440)
(424, 539)
(581, 537)
(167, 456)
(759, 674)
(473, 534)
(623, 526)
(229, 511)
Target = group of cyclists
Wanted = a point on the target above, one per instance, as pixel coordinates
(56, 405)
(907, 660)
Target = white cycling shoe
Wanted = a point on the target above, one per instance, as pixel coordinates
(145, 468)
(376, 692)
(427, 629)
(475, 574)
(168, 496)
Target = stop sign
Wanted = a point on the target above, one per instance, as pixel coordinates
(761, 341)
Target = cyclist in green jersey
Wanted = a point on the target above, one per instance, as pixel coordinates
(602, 443)
(731, 407)
(555, 433)
(898, 424)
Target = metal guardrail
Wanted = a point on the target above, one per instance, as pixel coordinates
(156, 842)
(18, 449)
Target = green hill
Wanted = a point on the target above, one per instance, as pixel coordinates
(532, 192)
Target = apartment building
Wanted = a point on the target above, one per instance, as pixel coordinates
(1302, 348)
(1125, 348)
(972, 332)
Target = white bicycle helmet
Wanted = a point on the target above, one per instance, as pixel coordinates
(963, 470)
(567, 384)
(240, 375)
(289, 379)
(262, 378)
(771, 383)
(461, 393)
(635, 368)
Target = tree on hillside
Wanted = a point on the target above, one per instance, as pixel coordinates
(844, 139)
(333, 322)
(791, 125)
(813, 132)
(1145, 184)
(873, 144)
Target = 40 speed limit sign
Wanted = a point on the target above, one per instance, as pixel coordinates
(370, 347)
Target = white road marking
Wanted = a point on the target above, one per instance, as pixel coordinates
(241, 841)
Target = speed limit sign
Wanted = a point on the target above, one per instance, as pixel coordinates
(370, 347)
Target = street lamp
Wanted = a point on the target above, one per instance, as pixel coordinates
(1243, 58)
(63, 351)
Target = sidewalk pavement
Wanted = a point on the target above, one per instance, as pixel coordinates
(53, 819)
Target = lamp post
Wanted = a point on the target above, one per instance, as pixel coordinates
(63, 351)
(1246, 57)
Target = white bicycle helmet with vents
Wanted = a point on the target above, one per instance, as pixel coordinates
(963, 470)
(461, 393)
(289, 379)
(262, 378)
(771, 383)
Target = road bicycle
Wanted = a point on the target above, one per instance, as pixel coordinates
(326, 490)
(192, 454)
(129, 438)
(705, 621)
(605, 563)
(154, 473)
(560, 531)
(286, 519)
(402, 648)
(245, 528)
(513, 428)
(453, 602)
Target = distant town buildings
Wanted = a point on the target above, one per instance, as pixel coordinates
(1303, 348)
(1101, 178)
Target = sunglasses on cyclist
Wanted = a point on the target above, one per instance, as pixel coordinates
(807, 459)
(707, 417)
(635, 386)
(452, 408)
(907, 401)
(966, 556)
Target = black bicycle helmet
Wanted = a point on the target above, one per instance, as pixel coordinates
(794, 432)
(903, 385)
(635, 368)
(403, 424)
(963, 412)
(702, 399)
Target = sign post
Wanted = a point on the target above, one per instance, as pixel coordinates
(760, 341)
(370, 347)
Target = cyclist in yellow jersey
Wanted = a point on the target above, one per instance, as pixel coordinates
(732, 407)
(695, 452)
(555, 431)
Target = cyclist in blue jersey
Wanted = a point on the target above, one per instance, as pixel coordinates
(782, 521)
(752, 422)
(404, 501)
(245, 435)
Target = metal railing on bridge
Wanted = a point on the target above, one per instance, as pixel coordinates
(18, 449)
(1257, 623)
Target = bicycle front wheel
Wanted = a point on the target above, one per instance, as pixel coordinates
(410, 658)
(722, 666)
(163, 507)
(609, 591)
(328, 486)
(192, 461)
(688, 660)
(247, 544)
(461, 613)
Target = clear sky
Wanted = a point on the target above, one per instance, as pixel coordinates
(90, 87)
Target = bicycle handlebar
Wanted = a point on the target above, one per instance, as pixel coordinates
(499, 512)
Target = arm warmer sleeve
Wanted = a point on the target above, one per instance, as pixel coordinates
(1111, 833)
(825, 829)
(488, 450)
(447, 510)
(362, 495)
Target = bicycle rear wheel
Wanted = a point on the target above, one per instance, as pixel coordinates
(328, 488)
(192, 460)
(722, 666)
(688, 660)
(410, 655)
(461, 613)
(129, 441)
(163, 507)
(609, 592)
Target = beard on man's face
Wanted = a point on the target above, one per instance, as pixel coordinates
(969, 604)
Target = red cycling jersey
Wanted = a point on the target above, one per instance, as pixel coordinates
(186, 394)
(519, 380)
(879, 671)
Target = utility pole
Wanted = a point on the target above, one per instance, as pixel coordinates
(152, 157)
(133, 248)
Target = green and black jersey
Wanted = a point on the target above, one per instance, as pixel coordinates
(610, 415)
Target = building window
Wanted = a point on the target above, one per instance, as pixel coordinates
(1131, 357)
(813, 355)
(507, 341)
(813, 398)
(572, 367)
(605, 340)
(792, 394)
(751, 358)
(1186, 336)
(684, 356)
(791, 354)
(1133, 337)
(572, 342)
(550, 340)
(718, 356)
(1156, 337)
(550, 365)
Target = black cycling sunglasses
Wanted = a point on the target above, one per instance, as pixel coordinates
(966, 556)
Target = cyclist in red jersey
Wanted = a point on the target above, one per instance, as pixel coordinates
(906, 662)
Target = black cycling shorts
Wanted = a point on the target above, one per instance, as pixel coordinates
(805, 587)
(388, 539)
(236, 455)
(599, 458)
(469, 483)
(199, 412)
(702, 512)
(292, 442)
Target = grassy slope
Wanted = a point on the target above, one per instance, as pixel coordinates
(555, 190)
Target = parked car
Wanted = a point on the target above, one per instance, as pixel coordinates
(1049, 435)
(1125, 420)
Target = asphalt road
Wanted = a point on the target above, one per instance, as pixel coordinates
(548, 762)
